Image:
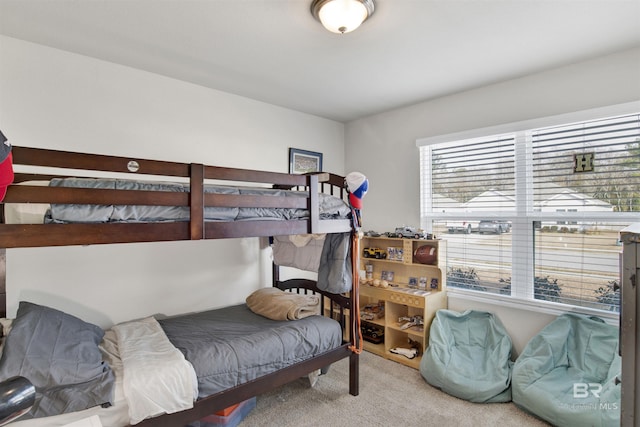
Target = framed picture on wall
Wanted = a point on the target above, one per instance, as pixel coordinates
(303, 161)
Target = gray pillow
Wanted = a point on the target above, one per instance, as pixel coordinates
(59, 354)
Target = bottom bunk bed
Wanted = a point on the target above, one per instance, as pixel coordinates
(230, 355)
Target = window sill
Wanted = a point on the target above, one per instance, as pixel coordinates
(530, 305)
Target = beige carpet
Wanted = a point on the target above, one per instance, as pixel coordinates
(391, 394)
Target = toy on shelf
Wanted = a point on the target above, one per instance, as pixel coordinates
(372, 311)
(410, 352)
(411, 321)
(426, 255)
(372, 333)
(412, 233)
(376, 253)
(402, 232)
(378, 283)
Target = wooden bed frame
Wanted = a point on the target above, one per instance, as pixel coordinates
(47, 165)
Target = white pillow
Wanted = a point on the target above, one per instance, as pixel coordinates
(26, 213)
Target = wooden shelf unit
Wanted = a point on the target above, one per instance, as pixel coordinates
(401, 299)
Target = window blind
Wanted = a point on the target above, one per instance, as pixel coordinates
(472, 188)
(565, 191)
(585, 176)
(477, 175)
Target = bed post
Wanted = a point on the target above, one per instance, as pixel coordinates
(3, 282)
(314, 205)
(356, 333)
(275, 274)
(196, 201)
(354, 374)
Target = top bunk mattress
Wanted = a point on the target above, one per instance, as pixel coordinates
(331, 207)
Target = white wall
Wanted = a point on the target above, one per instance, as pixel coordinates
(383, 147)
(55, 99)
(521, 324)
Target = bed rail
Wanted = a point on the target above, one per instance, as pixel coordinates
(60, 164)
(336, 306)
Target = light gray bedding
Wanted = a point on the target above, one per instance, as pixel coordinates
(330, 206)
(59, 354)
(233, 345)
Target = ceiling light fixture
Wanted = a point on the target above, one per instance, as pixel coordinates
(342, 16)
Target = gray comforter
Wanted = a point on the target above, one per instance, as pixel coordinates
(233, 345)
(59, 354)
(330, 206)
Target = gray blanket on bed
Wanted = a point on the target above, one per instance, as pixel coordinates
(59, 354)
(330, 206)
(233, 345)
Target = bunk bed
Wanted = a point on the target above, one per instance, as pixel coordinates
(203, 202)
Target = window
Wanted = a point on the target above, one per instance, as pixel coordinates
(534, 214)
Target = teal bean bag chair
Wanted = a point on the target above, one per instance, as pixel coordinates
(566, 374)
(469, 356)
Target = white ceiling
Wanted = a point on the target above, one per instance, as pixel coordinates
(274, 51)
